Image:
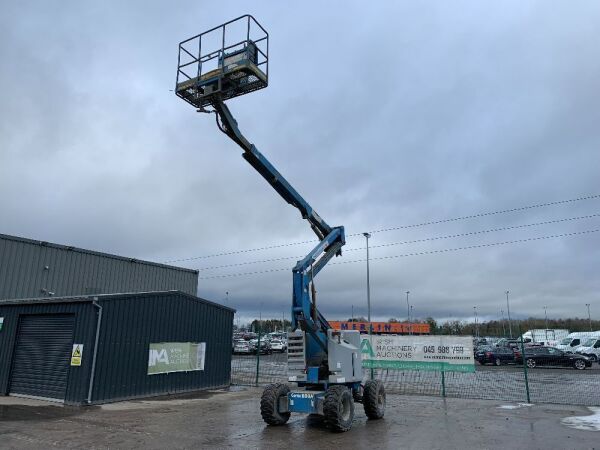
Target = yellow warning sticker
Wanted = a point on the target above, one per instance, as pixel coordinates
(76, 354)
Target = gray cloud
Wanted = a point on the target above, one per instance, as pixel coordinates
(379, 116)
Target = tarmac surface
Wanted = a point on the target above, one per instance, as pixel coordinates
(231, 419)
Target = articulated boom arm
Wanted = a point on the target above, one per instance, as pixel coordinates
(304, 312)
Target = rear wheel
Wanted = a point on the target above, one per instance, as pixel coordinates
(579, 364)
(269, 404)
(374, 399)
(338, 408)
(497, 362)
(530, 363)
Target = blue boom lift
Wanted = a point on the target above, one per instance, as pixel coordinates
(225, 62)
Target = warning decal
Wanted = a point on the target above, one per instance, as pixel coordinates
(76, 354)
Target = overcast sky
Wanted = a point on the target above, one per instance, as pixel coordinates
(381, 117)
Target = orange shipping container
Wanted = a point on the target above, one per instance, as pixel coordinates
(383, 327)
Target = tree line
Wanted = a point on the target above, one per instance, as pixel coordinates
(458, 327)
(501, 327)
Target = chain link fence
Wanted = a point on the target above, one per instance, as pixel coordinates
(551, 379)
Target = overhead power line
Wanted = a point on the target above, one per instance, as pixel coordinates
(429, 252)
(485, 214)
(415, 241)
(401, 227)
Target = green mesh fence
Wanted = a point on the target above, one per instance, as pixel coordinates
(547, 383)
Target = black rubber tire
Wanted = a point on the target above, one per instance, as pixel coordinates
(374, 399)
(579, 363)
(269, 404)
(338, 408)
(497, 362)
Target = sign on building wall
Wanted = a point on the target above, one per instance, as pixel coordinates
(441, 353)
(76, 355)
(165, 357)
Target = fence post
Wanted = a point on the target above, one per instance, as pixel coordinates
(525, 368)
(257, 356)
(443, 384)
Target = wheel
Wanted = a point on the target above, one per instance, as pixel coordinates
(374, 399)
(338, 408)
(579, 364)
(269, 404)
(530, 363)
(497, 362)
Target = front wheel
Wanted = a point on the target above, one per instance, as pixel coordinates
(374, 399)
(338, 408)
(497, 362)
(269, 404)
(531, 363)
(579, 364)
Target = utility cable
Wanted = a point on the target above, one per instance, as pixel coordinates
(382, 230)
(415, 241)
(429, 252)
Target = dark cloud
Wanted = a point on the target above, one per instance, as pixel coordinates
(379, 116)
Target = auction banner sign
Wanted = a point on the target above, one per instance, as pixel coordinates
(166, 357)
(438, 353)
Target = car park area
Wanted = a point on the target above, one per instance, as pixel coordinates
(230, 419)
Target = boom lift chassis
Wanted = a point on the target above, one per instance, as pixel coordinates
(232, 60)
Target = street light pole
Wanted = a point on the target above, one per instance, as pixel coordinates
(508, 312)
(476, 325)
(589, 317)
(503, 327)
(408, 310)
(412, 318)
(367, 236)
(546, 316)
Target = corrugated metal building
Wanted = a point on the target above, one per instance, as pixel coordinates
(31, 269)
(96, 349)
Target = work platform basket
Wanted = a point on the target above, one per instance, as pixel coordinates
(226, 61)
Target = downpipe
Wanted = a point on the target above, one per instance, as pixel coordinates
(93, 372)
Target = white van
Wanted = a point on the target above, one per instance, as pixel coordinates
(545, 337)
(590, 348)
(573, 340)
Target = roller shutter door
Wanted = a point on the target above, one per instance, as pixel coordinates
(42, 354)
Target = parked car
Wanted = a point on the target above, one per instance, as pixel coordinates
(242, 347)
(573, 340)
(278, 345)
(590, 348)
(550, 356)
(511, 343)
(265, 346)
(494, 355)
(479, 341)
